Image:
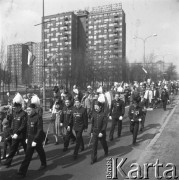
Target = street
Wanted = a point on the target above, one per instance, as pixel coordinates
(62, 166)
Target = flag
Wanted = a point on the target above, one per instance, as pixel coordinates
(144, 70)
(31, 58)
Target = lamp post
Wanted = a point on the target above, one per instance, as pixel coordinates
(43, 50)
(144, 41)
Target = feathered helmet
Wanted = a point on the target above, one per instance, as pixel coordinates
(35, 101)
(18, 100)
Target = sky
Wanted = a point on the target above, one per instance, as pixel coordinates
(143, 18)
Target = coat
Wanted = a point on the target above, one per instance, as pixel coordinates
(79, 119)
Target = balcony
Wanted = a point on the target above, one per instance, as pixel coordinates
(116, 25)
(116, 21)
(66, 18)
(65, 24)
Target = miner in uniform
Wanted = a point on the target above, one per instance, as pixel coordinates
(98, 131)
(34, 139)
(79, 122)
(135, 115)
(19, 128)
(164, 98)
(144, 112)
(116, 114)
(65, 117)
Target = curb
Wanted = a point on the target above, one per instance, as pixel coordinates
(154, 140)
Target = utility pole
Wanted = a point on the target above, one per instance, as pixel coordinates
(43, 50)
(43, 41)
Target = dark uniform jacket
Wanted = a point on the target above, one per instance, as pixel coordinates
(65, 115)
(143, 107)
(135, 112)
(117, 108)
(19, 124)
(164, 96)
(79, 119)
(35, 129)
(99, 122)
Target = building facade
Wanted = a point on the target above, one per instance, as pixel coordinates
(87, 46)
(37, 67)
(60, 36)
(106, 43)
(17, 62)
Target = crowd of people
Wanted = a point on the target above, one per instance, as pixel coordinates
(72, 112)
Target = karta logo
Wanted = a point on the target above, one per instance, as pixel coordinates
(115, 170)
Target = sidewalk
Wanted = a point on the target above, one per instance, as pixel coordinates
(164, 147)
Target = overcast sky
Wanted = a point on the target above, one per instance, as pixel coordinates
(143, 18)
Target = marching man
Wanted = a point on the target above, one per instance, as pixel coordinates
(98, 130)
(79, 122)
(34, 139)
(18, 126)
(116, 114)
(135, 115)
(65, 117)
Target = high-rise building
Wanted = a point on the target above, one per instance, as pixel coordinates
(17, 62)
(80, 44)
(107, 42)
(60, 48)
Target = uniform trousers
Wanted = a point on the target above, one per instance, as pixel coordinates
(95, 145)
(29, 153)
(69, 135)
(115, 121)
(79, 141)
(14, 149)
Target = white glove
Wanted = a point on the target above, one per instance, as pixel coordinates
(68, 128)
(110, 117)
(34, 144)
(0, 138)
(26, 141)
(132, 120)
(50, 110)
(61, 124)
(14, 136)
(120, 118)
(100, 135)
(140, 120)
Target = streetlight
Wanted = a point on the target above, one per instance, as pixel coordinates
(144, 41)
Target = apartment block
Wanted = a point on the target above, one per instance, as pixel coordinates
(106, 43)
(17, 62)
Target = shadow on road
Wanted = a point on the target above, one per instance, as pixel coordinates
(55, 177)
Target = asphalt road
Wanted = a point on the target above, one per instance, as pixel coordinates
(62, 166)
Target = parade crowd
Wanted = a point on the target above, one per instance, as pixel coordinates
(71, 114)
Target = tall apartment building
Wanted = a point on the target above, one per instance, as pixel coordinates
(106, 43)
(17, 62)
(81, 39)
(60, 34)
